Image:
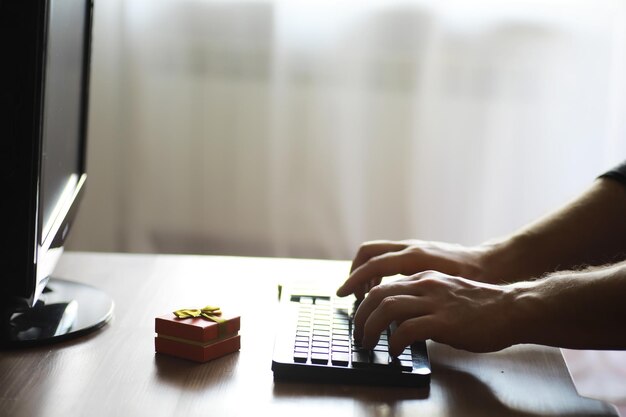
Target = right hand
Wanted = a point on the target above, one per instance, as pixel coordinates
(378, 259)
(459, 312)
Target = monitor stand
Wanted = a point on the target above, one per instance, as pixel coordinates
(64, 310)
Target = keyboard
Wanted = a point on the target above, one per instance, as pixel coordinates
(314, 343)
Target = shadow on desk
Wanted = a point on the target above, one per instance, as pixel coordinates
(186, 374)
(462, 393)
(523, 381)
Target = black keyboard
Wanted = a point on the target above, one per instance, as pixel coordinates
(314, 343)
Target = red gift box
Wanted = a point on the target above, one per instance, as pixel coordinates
(198, 339)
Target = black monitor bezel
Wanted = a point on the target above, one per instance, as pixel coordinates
(28, 257)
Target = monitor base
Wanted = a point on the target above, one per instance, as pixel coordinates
(65, 310)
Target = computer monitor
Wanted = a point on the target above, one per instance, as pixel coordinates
(44, 93)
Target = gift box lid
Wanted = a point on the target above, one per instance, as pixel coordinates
(196, 329)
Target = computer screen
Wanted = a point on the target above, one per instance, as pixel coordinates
(62, 136)
(45, 46)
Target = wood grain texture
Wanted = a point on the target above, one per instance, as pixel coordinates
(115, 372)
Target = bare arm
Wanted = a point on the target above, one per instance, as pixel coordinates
(574, 309)
(591, 230)
(488, 297)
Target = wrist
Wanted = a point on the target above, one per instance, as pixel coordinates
(499, 261)
(527, 311)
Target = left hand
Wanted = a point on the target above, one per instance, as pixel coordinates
(459, 312)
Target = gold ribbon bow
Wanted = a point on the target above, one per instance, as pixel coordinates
(212, 313)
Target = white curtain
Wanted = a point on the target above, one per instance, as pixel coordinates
(302, 128)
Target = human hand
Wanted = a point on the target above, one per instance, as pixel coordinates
(378, 259)
(459, 312)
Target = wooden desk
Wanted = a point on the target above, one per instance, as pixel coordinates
(115, 372)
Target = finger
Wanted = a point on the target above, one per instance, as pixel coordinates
(374, 299)
(363, 289)
(410, 331)
(384, 265)
(396, 308)
(375, 248)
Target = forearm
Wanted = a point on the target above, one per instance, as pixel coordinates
(580, 310)
(591, 230)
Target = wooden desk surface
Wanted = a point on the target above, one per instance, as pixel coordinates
(115, 372)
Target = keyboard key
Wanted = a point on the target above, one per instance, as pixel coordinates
(340, 359)
(340, 349)
(342, 337)
(319, 350)
(322, 301)
(360, 357)
(319, 358)
(321, 338)
(379, 358)
(300, 357)
(406, 366)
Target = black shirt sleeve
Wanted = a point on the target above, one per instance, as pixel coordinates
(618, 173)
